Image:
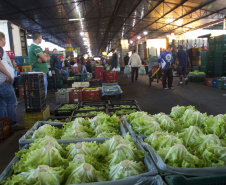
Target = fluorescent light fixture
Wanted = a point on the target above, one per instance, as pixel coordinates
(138, 37)
(131, 42)
(145, 32)
(170, 20)
(77, 19)
(85, 38)
(82, 33)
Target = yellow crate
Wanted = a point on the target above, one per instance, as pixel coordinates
(27, 68)
(31, 118)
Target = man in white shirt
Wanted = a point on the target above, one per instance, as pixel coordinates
(135, 63)
(7, 94)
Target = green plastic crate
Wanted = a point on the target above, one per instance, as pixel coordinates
(218, 71)
(25, 61)
(218, 61)
(60, 118)
(203, 69)
(83, 77)
(194, 68)
(224, 86)
(220, 83)
(204, 180)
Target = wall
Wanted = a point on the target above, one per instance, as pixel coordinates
(4, 29)
(16, 40)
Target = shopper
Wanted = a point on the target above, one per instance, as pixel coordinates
(126, 59)
(64, 72)
(114, 60)
(55, 68)
(166, 63)
(182, 62)
(38, 58)
(135, 63)
(7, 93)
(17, 78)
(72, 61)
(67, 63)
(83, 64)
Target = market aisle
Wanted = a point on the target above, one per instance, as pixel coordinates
(154, 99)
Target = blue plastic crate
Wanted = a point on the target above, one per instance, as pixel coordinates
(18, 60)
(214, 83)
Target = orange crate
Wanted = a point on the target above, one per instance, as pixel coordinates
(209, 82)
(5, 128)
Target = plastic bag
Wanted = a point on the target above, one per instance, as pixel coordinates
(50, 73)
(127, 70)
(142, 71)
(118, 68)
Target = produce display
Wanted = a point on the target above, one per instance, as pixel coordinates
(123, 111)
(56, 120)
(185, 138)
(47, 162)
(100, 126)
(196, 72)
(122, 106)
(67, 106)
(90, 107)
(90, 113)
(71, 78)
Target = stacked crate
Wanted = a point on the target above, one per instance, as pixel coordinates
(34, 92)
(69, 49)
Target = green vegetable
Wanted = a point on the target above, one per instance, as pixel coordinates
(159, 141)
(43, 175)
(83, 173)
(177, 112)
(178, 156)
(196, 72)
(47, 155)
(205, 141)
(216, 125)
(90, 108)
(190, 135)
(125, 169)
(46, 130)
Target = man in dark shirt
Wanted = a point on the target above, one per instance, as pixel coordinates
(83, 64)
(114, 60)
(126, 59)
(55, 68)
(182, 61)
(66, 62)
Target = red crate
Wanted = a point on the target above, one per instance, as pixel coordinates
(110, 76)
(19, 70)
(75, 95)
(10, 54)
(88, 94)
(99, 70)
(5, 128)
(205, 48)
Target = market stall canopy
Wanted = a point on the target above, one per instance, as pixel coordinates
(107, 21)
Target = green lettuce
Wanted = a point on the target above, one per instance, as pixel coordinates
(177, 111)
(105, 134)
(76, 125)
(154, 136)
(86, 148)
(205, 141)
(166, 122)
(124, 152)
(216, 125)
(215, 156)
(162, 141)
(125, 169)
(43, 175)
(104, 119)
(190, 135)
(104, 128)
(46, 130)
(145, 125)
(110, 145)
(178, 156)
(76, 133)
(47, 155)
(135, 115)
(192, 117)
(83, 173)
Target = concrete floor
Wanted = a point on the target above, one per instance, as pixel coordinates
(151, 99)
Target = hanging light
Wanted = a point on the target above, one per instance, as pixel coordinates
(145, 32)
(131, 42)
(138, 37)
(82, 33)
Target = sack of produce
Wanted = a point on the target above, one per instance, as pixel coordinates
(142, 71)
